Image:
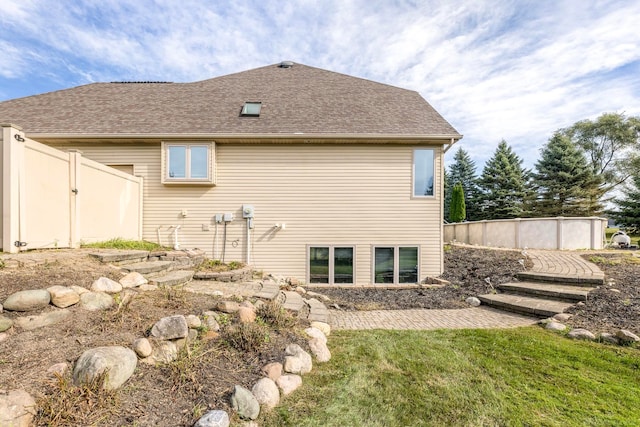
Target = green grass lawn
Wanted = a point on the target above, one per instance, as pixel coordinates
(515, 377)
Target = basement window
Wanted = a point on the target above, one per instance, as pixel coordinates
(251, 109)
(188, 163)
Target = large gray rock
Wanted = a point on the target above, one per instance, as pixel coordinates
(27, 300)
(170, 328)
(609, 338)
(627, 337)
(63, 297)
(245, 403)
(319, 349)
(133, 280)
(104, 284)
(17, 408)
(473, 301)
(213, 419)
(555, 326)
(581, 334)
(29, 323)
(297, 361)
(5, 323)
(93, 301)
(266, 392)
(288, 383)
(118, 362)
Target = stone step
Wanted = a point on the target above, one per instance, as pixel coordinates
(540, 307)
(269, 291)
(293, 301)
(317, 310)
(173, 278)
(148, 267)
(116, 257)
(577, 280)
(550, 290)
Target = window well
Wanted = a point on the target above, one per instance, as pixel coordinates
(251, 109)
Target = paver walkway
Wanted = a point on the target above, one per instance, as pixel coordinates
(477, 318)
(545, 262)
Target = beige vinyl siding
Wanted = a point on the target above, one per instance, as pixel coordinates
(329, 194)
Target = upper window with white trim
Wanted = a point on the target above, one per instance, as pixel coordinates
(423, 176)
(188, 162)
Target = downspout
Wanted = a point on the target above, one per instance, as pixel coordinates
(447, 147)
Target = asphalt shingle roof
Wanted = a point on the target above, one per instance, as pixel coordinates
(299, 99)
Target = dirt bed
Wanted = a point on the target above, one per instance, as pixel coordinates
(175, 394)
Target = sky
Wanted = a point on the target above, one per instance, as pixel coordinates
(516, 70)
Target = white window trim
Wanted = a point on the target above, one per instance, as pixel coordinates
(331, 264)
(211, 161)
(396, 263)
(413, 174)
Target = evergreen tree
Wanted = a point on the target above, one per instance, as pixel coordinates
(458, 211)
(627, 212)
(567, 185)
(503, 185)
(447, 195)
(463, 170)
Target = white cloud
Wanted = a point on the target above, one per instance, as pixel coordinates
(515, 69)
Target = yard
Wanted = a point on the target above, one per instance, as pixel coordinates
(524, 376)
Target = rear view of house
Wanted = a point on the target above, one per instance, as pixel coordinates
(296, 170)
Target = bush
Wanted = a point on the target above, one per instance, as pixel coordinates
(274, 315)
(248, 337)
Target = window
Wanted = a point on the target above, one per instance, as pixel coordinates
(331, 264)
(395, 264)
(190, 163)
(251, 109)
(423, 177)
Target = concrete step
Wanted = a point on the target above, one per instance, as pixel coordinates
(148, 267)
(292, 301)
(269, 291)
(577, 280)
(540, 307)
(317, 310)
(116, 257)
(550, 290)
(173, 278)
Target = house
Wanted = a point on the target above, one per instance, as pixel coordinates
(299, 171)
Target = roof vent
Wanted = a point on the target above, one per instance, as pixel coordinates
(286, 64)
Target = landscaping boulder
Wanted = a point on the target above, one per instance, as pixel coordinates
(473, 301)
(104, 284)
(288, 383)
(171, 327)
(297, 361)
(93, 301)
(627, 337)
(562, 317)
(246, 315)
(555, 326)
(79, 289)
(119, 363)
(27, 300)
(245, 403)
(62, 296)
(228, 306)
(58, 369)
(17, 408)
(163, 352)
(29, 323)
(213, 419)
(133, 280)
(142, 347)
(266, 392)
(324, 327)
(5, 323)
(581, 334)
(273, 370)
(193, 321)
(609, 338)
